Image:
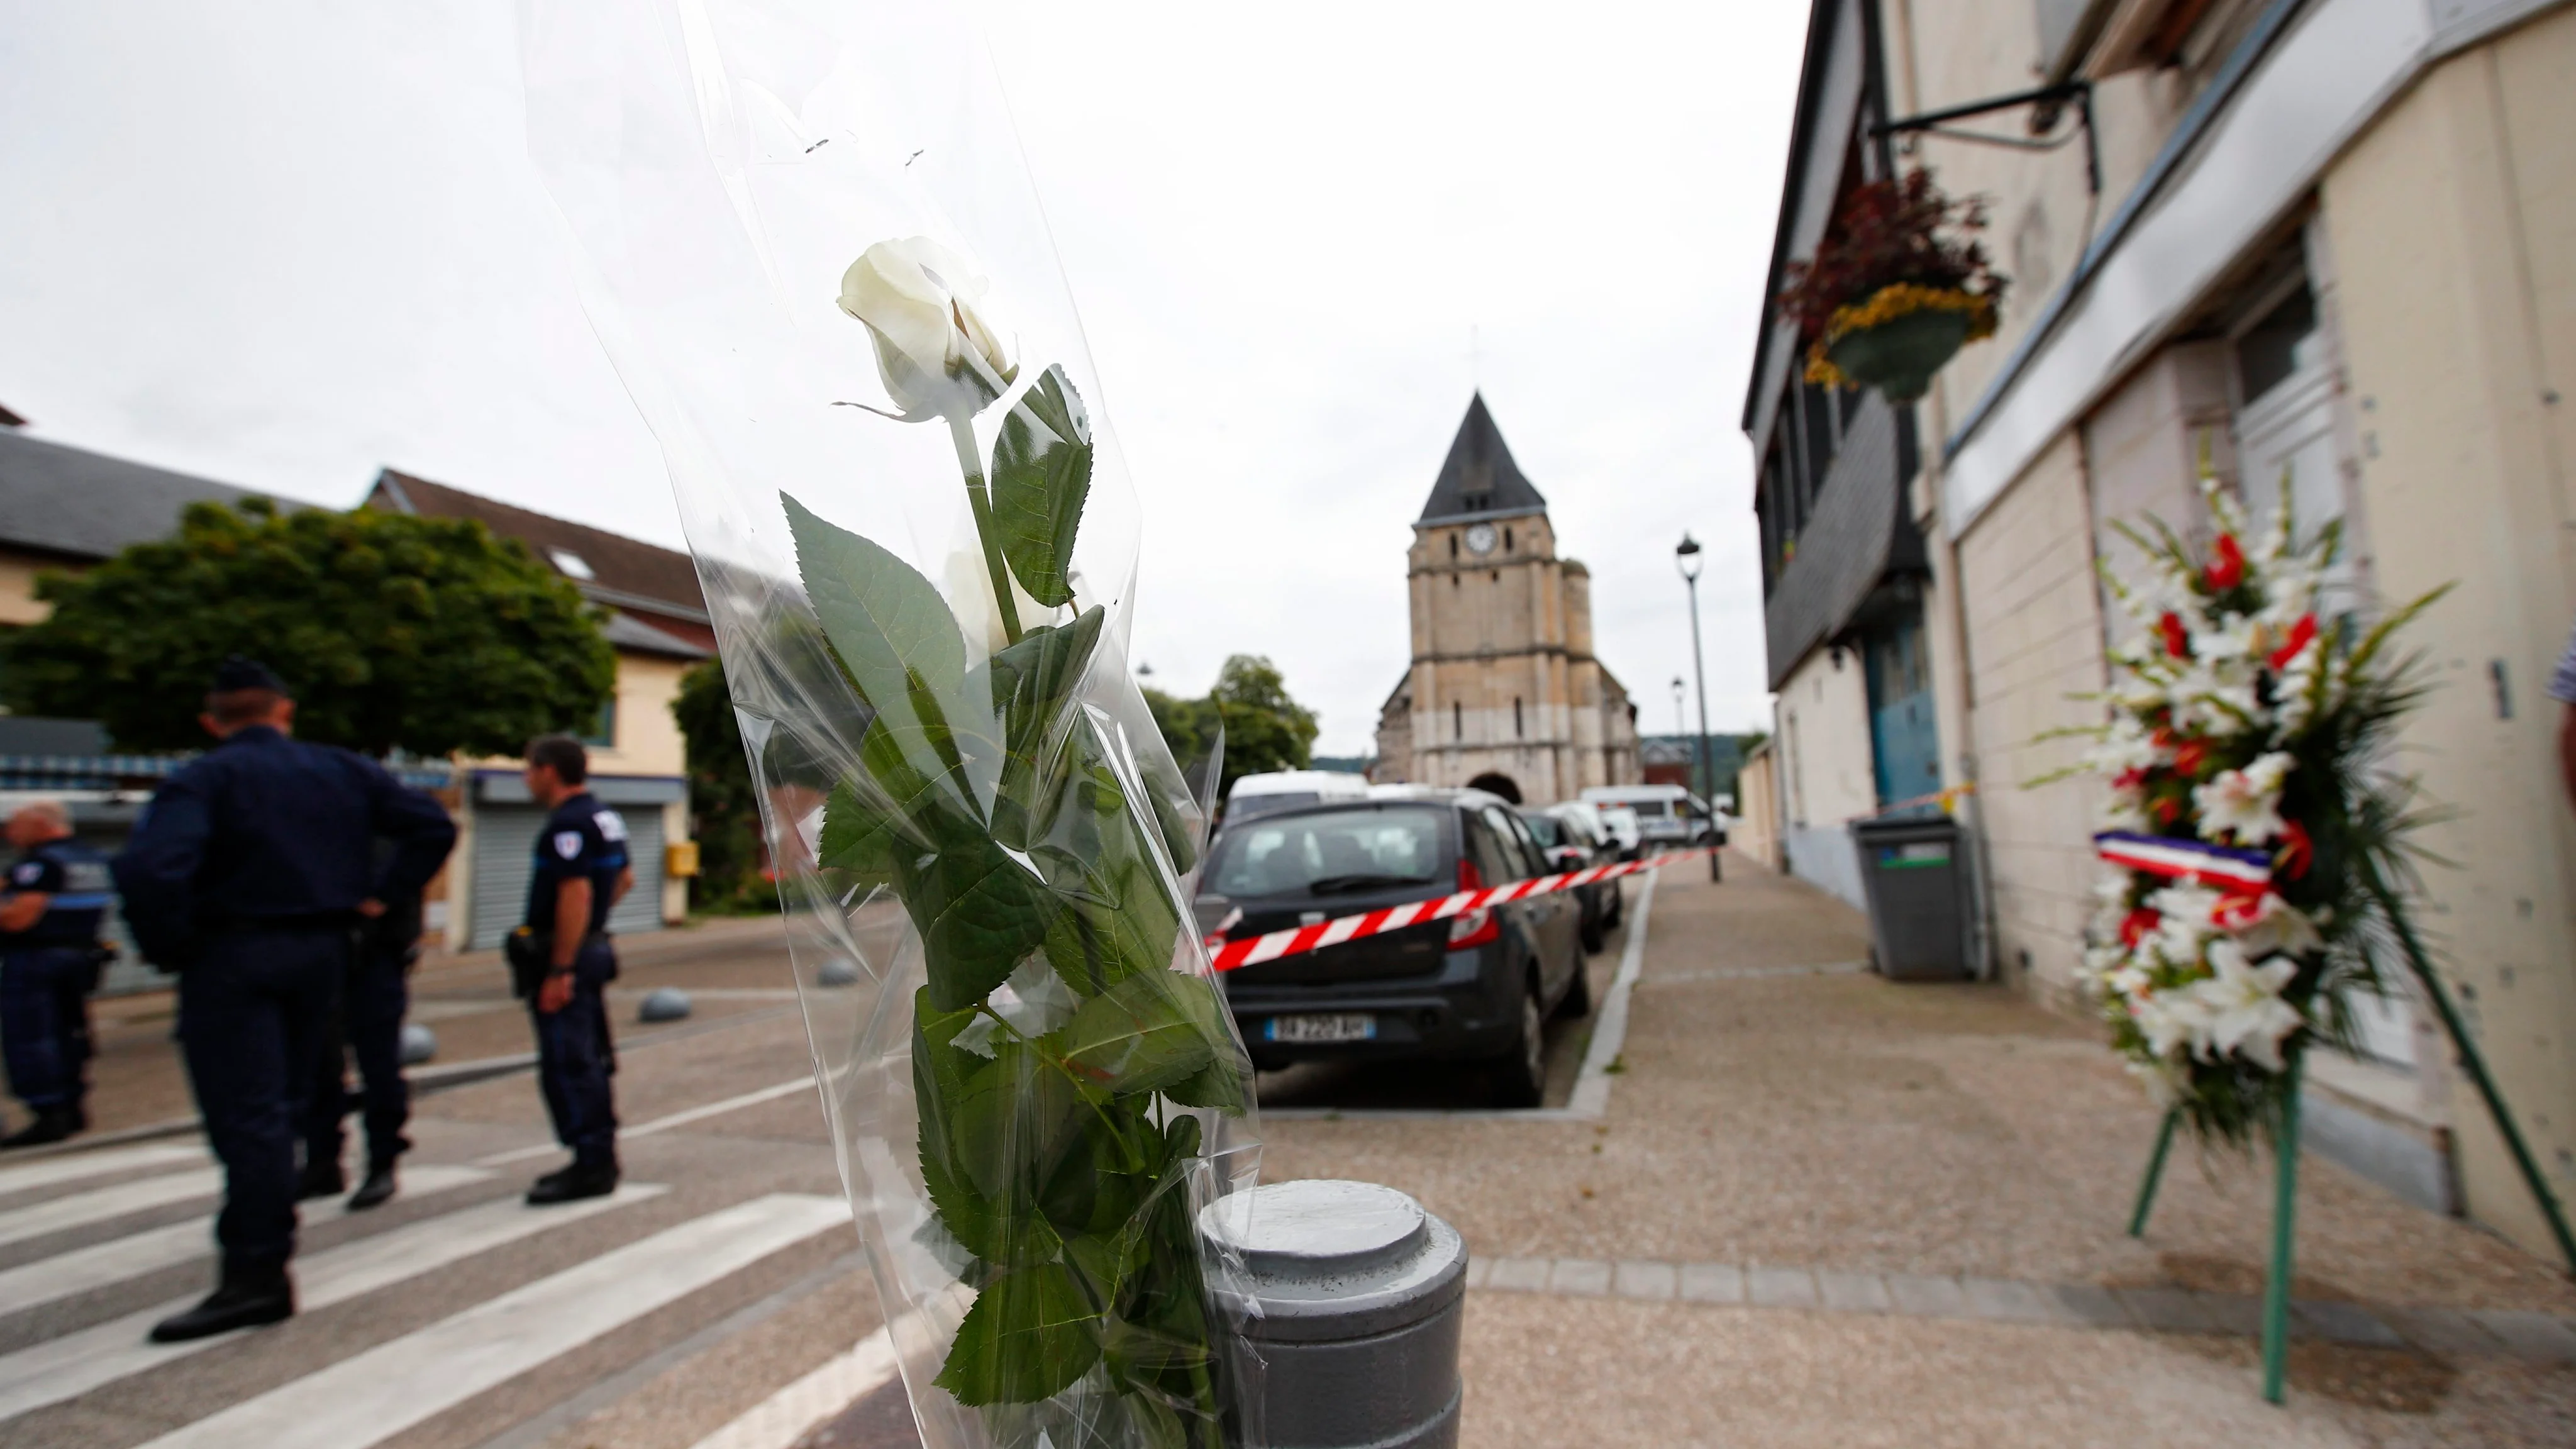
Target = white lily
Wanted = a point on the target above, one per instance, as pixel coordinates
(2246, 1015)
(2246, 803)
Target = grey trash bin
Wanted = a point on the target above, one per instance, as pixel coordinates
(1909, 870)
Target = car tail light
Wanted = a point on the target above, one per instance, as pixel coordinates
(1472, 928)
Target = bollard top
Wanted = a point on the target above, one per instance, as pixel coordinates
(1332, 1260)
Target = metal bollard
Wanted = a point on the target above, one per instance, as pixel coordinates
(1360, 1295)
(419, 1044)
(664, 1003)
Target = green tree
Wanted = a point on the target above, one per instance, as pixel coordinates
(423, 633)
(1264, 728)
(722, 797)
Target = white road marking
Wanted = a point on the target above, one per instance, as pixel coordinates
(118, 1259)
(81, 1209)
(78, 1165)
(67, 1367)
(661, 1124)
(372, 1396)
(781, 1419)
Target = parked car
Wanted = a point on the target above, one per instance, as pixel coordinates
(1668, 816)
(1272, 791)
(1477, 986)
(1570, 845)
(1612, 828)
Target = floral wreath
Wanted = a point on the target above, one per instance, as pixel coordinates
(2251, 805)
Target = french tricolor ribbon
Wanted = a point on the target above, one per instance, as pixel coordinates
(1226, 955)
(2231, 870)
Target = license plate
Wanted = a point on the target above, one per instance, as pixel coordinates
(1354, 1026)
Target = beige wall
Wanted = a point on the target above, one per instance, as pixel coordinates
(18, 601)
(2453, 231)
(1821, 737)
(1756, 831)
(2035, 636)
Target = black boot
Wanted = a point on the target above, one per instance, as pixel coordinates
(572, 1184)
(52, 1124)
(248, 1297)
(376, 1190)
(322, 1178)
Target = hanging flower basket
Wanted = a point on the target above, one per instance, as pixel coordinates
(1898, 339)
(1894, 290)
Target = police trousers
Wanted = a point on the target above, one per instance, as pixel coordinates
(253, 1007)
(575, 1059)
(44, 1023)
(367, 1026)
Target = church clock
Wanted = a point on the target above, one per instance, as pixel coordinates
(1480, 539)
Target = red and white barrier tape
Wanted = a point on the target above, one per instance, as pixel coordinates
(1254, 950)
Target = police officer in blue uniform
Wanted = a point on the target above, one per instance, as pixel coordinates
(367, 1026)
(563, 963)
(247, 876)
(50, 909)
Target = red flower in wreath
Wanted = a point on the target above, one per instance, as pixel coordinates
(2301, 634)
(2137, 925)
(2177, 642)
(2190, 755)
(2297, 851)
(2226, 564)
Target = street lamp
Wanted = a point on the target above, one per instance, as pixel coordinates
(1687, 558)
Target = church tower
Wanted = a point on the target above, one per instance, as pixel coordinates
(1504, 693)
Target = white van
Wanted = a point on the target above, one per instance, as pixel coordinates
(1667, 815)
(1277, 790)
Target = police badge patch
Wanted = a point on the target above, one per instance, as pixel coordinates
(568, 843)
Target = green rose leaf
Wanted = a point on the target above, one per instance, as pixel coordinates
(1030, 1335)
(1031, 685)
(1041, 476)
(1154, 1030)
(1219, 1084)
(1016, 1118)
(860, 835)
(884, 619)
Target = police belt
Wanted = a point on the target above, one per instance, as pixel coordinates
(531, 955)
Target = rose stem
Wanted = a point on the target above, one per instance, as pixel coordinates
(970, 457)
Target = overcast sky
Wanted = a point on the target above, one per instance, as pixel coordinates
(285, 244)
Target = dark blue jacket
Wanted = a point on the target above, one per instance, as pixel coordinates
(270, 831)
(75, 876)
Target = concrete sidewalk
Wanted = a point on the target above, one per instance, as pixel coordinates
(1829, 1209)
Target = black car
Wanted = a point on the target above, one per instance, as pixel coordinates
(1568, 846)
(1476, 986)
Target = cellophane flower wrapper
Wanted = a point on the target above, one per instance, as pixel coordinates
(807, 238)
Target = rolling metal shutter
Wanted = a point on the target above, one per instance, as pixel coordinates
(505, 841)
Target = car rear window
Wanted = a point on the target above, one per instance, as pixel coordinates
(1252, 807)
(1329, 852)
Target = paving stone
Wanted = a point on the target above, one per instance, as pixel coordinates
(1580, 1275)
(2342, 1322)
(2084, 1303)
(2233, 1312)
(1782, 1287)
(2442, 1330)
(1519, 1275)
(1478, 1270)
(1927, 1297)
(1712, 1283)
(2007, 1301)
(1853, 1292)
(2531, 1335)
(1636, 1278)
(2167, 1310)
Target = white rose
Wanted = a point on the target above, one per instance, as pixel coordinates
(935, 351)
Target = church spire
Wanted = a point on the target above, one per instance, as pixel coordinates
(1479, 476)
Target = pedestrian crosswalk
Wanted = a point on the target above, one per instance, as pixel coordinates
(73, 1342)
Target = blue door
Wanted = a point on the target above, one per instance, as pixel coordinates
(1905, 746)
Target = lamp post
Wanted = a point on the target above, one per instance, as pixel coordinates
(1686, 557)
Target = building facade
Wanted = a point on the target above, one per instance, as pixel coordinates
(657, 623)
(1504, 692)
(2329, 246)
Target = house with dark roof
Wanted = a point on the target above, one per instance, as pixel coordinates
(67, 508)
(1504, 692)
(657, 622)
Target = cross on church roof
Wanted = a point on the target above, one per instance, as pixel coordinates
(1479, 477)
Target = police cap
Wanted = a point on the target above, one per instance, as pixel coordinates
(239, 672)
